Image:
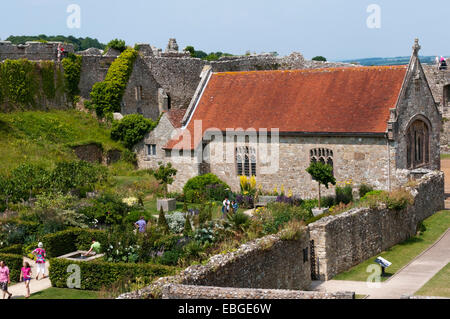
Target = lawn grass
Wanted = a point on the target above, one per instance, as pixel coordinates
(438, 286)
(401, 254)
(445, 156)
(64, 293)
(45, 137)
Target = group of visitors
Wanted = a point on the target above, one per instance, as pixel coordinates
(25, 272)
(229, 207)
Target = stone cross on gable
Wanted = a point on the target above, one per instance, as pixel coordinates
(416, 47)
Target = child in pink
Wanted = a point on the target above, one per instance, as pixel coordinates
(25, 275)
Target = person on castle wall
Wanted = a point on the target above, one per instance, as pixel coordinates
(443, 64)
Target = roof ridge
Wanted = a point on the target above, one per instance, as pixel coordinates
(318, 70)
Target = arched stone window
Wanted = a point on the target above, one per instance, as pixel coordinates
(322, 155)
(418, 144)
(246, 161)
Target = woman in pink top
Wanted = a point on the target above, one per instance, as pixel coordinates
(5, 280)
(25, 275)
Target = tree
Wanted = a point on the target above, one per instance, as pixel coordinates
(165, 175)
(319, 58)
(131, 129)
(117, 44)
(322, 173)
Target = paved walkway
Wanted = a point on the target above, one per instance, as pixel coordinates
(405, 282)
(18, 290)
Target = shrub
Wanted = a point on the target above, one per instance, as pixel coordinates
(176, 222)
(364, 189)
(239, 220)
(245, 201)
(399, 199)
(328, 201)
(309, 204)
(278, 214)
(131, 129)
(374, 198)
(107, 95)
(98, 274)
(291, 200)
(217, 192)
(196, 187)
(344, 194)
(121, 245)
(14, 249)
(292, 230)
(14, 263)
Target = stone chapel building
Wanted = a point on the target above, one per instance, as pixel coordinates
(373, 125)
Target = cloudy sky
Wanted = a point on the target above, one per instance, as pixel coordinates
(337, 29)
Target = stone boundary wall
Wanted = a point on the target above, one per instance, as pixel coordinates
(203, 292)
(265, 263)
(345, 240)
(32, 50)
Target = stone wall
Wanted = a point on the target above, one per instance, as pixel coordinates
(33, 51)
(204, 292)
(345, 240)
(265, 263)
(93, 69)
(362, 159)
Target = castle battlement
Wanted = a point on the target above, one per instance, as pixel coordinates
(32, 50)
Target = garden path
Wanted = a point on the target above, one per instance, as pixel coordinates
(18, 290)
(406, 281)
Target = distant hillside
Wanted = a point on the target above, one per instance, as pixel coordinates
(390, 61)
(47, 137)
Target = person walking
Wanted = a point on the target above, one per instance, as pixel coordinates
(40, 260)
(225, 207)
(5, 279)
(141, 224)
(25, 276)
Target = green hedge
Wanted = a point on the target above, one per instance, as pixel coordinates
(71, 240)
(14, 249)
(14, 263)
(98, 274)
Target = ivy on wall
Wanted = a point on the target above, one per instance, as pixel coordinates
(18, 82)
(26, 84)
(107, 95)
(72, 74)
(48, 79)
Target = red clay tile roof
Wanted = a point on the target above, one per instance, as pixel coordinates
(176, 116)
(340, 100)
